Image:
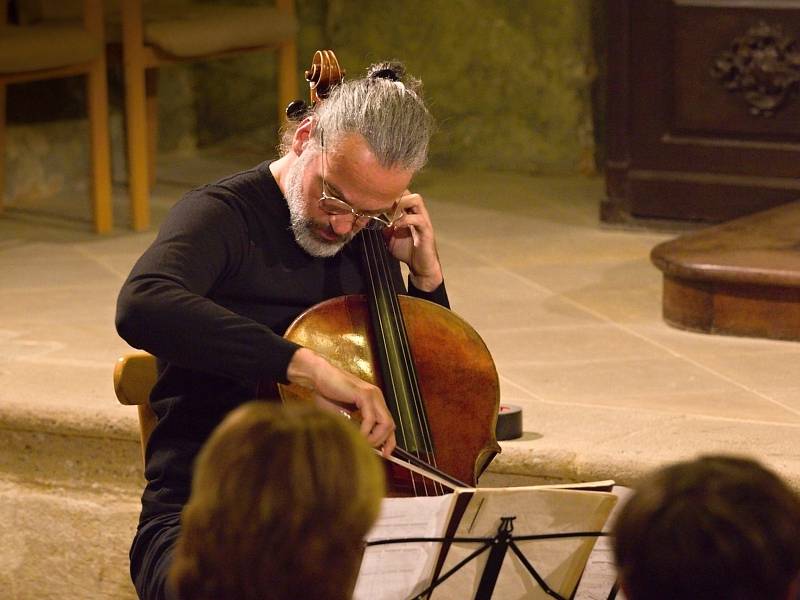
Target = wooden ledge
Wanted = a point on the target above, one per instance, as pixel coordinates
(739, 278)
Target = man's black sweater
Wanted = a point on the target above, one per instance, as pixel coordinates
(211, 298)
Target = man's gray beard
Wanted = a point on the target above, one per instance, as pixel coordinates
(302, 225)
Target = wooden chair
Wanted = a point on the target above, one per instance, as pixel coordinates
(156, 36)
(135, 375)
(43, 50)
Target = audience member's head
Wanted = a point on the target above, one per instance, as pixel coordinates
(282, 498)
(715, 528)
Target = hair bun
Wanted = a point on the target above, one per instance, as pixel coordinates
(393, 71)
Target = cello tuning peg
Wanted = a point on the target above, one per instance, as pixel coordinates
(295, 110)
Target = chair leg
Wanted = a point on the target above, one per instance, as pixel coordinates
(287, 78)
(2, 145)
(151, 91)
(97, 107)
(135, 113)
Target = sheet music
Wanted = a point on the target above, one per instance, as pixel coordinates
(398, 571)
(601, 573)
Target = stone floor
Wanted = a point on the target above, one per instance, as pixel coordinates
(570, 310)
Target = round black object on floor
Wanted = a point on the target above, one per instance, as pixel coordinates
(509, 422)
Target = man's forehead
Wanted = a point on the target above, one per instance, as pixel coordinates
(353, 173)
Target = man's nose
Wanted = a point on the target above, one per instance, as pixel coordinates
(342, 224)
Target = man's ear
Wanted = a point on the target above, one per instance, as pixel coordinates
(302, 136)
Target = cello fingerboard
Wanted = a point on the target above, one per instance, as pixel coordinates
(396, 366)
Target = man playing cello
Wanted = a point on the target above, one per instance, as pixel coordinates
(236, 261)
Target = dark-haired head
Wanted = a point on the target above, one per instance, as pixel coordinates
(715, 528)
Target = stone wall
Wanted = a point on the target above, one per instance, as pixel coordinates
(510, 83)
(47, 137)
(70, 485)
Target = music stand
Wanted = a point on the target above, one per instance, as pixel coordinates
(488, 517)
(497, 547)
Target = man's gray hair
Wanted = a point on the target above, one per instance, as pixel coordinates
(386, 108)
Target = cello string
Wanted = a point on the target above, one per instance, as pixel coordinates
(373, 272)
(418, 412)
(378, 252)
(408, 360)
(380, 256)
(423, 422)
(379, 248)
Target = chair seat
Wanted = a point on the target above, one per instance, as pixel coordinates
(209, 29)
(39, 47)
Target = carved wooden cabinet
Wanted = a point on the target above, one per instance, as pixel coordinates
(703, 108)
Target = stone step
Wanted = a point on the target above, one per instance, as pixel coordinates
(70, 485)
(738, 278)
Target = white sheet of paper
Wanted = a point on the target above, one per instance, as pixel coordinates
(399, 571)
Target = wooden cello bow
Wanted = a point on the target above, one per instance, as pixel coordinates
(437, 376)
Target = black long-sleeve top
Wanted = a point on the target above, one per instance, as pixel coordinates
(211, 298)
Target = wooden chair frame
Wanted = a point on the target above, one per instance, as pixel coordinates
(140, 62)
(97, 109)
(135, 375)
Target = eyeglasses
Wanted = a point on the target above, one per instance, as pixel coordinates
(336, 206)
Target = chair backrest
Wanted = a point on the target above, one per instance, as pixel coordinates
(35, 11)
(135, 375)
(33, 50)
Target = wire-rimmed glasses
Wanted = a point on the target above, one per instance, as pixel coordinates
(336, 206)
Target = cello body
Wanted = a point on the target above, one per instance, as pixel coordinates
(456, 374)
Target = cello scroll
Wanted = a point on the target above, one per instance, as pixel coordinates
(323, 75)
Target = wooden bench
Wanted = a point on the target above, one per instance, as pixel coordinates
(738, 278)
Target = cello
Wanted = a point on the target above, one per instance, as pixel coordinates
(436, 373)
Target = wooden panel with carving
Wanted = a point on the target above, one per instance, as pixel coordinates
(739, 73)
(704, 109)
